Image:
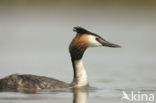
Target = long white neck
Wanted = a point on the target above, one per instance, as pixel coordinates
(80, 74)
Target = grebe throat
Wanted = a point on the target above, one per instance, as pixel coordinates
(80, 74)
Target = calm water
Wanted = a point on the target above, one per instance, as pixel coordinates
(34, 39)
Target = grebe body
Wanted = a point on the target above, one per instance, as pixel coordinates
(78, 46)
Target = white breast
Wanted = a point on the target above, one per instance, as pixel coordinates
(81, 74)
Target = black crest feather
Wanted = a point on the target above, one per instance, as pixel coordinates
(81, 30)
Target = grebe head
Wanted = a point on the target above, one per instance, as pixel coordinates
(90, 39)
(85, 39)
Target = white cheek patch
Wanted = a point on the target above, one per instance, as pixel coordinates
(93, 42)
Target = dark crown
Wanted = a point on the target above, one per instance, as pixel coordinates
(81, 30)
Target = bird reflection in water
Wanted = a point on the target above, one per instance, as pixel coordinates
(80, 95)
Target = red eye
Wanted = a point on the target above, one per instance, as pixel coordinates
(97, 39)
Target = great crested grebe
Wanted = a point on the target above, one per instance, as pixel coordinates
(79, 44)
